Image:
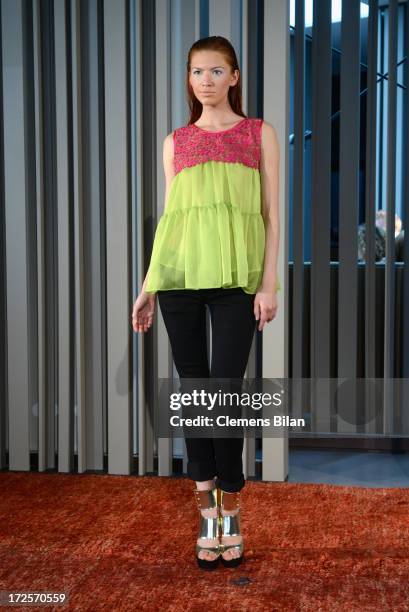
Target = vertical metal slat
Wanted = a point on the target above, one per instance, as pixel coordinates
(15, 192)
(118, 217)
(349, 203)
(370, 205)
(390, 281)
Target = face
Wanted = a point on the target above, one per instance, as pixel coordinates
(211, 77)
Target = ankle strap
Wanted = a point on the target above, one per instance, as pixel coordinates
(206, 499)
(230, 501)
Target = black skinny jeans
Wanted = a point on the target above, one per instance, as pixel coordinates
(233, 324)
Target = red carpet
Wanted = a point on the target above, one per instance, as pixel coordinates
(127, 543)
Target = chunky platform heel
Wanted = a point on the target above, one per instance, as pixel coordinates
(208, 527)
(230, 526)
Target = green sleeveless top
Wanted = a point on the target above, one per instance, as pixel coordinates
(212, 233)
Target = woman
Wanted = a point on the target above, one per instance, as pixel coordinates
(216, 245)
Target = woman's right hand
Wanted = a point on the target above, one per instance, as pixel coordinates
(143, 311)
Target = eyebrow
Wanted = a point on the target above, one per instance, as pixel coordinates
(198, 67)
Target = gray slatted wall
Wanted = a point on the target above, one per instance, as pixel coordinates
(85, 107)
(90, 90)
(356, 324)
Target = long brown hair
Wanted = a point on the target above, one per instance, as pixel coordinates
(224, 46)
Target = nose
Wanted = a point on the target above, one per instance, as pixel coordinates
(206, 80)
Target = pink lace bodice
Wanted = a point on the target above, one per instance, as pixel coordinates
(241, 143)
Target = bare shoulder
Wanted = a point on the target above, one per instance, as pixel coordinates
(168, 145)
(269, 138)
(168, 157)
(269, 132)
(168, 153)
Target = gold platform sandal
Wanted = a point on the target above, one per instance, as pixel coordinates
(207, 500)
(230, 526)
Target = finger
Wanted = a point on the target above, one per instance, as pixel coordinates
(263, 320)
(256, 312)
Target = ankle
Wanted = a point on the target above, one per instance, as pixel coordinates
(205, 485)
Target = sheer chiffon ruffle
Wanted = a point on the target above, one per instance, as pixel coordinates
(212, 232)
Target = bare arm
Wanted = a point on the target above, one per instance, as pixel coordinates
(169, 174)
(269, 170)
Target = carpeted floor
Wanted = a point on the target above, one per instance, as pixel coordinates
(127, 543)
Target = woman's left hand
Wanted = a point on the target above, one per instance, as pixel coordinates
(265, 307)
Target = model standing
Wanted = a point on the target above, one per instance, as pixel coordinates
(216, 245)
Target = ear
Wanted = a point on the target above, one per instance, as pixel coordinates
(236, 76)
